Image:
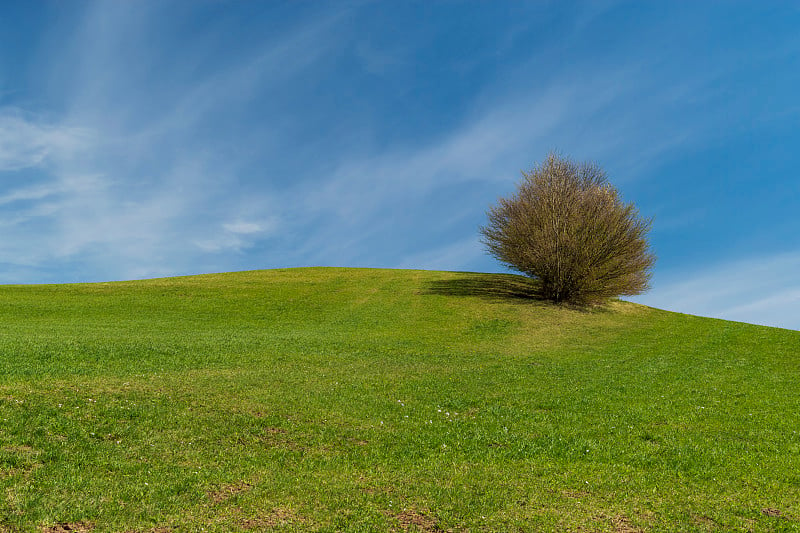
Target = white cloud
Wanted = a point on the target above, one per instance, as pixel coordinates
(28, 141)
(236, 236)
(37, 192)
(242, 227)
(220, 244)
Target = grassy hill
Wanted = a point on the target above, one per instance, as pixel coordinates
(371, 400)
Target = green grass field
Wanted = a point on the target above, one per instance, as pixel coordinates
(326, 399)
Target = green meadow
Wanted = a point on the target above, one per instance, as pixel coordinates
(327, 399)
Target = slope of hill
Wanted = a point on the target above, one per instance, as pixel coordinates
(369, 400)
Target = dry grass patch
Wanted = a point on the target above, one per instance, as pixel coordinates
(704, 521)
(622, 524)
(76, 527)
(278, 517)
(228, 491)
(415, 520)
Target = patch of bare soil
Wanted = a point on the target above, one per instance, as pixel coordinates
(619, 523)
(622, 524)
(228, 491)
(77, 527)
(279, 516)
(22, 449)
(278, 438)
(414, 520)
(704, 521)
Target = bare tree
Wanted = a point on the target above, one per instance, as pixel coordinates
(567, 227)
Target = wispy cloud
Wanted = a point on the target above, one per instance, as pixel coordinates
(127, 184)
(368, 197)
(36, 192)
(240, 227)
(28, 141)
(237, 235)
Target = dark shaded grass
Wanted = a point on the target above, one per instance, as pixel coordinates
(499, 287)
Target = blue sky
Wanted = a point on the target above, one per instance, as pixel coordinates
(142, 139)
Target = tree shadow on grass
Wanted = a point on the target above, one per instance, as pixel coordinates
(508, 288)
(497, 287)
